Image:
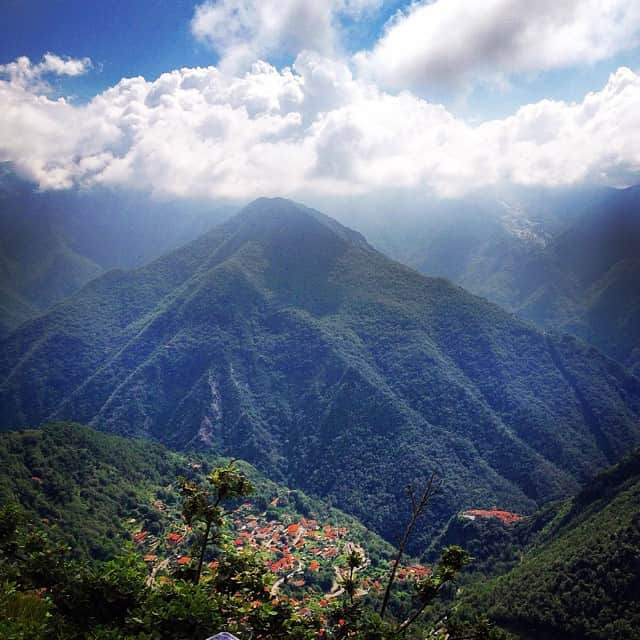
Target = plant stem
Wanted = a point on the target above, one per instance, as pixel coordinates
(202, 551)
(416, 511)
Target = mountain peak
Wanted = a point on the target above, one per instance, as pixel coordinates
(281, 215)
(282, 338)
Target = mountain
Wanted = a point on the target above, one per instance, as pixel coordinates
(567, 260)
(37, 264)
(283, 338)
(579, 577)
(600, 260)
(52, 243)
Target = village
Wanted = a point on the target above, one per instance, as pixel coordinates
(302, 553)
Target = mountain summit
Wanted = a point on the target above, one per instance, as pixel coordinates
(283, 338)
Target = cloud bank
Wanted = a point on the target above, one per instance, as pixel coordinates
(310, 129)
(243, 31)
(453, 41)
(335, 123)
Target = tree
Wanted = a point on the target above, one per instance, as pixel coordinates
(418, 507)
(452, 560)
(203, 504)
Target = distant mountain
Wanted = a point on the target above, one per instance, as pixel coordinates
(600, 262)
(52, 243)
(579, 577)
(283, 338)
(568, 260)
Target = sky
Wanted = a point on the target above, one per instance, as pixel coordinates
(233, 99)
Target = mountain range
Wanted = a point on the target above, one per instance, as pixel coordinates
(567, 259)
(52, 243)
(284, 338)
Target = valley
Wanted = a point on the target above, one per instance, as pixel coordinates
(283, 338)
(320, 320)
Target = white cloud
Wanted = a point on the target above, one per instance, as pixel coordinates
(449, 41)
(52, 63)
(310, 130)
(242, 31)
(22, 71)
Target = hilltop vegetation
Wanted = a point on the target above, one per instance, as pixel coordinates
(283, 338)
(576, 573)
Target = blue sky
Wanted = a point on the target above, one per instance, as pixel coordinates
(123, 37)
(126, 38)
(381, 93)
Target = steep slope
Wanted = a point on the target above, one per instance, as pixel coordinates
(14, 310)
(37, 265)
(285, 339)
(88, 486)
(479, 241)
(602, 259)
(52, 243)
(581, 576)
(565, 260)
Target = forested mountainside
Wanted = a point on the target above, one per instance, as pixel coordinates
(565, 259)
(283, 338)
(100, 539)
(97, 492)
(578, 574)
(52, 243)
(568, 571)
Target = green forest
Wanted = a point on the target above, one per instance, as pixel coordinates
(102, 537)
(81, 579)
(320, 320)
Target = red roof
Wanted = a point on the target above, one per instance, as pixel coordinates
(174, 537)
(504, 516)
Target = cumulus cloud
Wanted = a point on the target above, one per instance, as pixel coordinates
(242, 31)
(310, 129)
(450, 41)
(25, 73)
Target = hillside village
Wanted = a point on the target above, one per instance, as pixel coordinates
(302, 553)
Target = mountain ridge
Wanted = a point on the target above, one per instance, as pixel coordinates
(304, 350)
(52, 243)
(563, 259)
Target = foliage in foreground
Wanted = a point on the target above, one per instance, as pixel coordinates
(44, 593)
